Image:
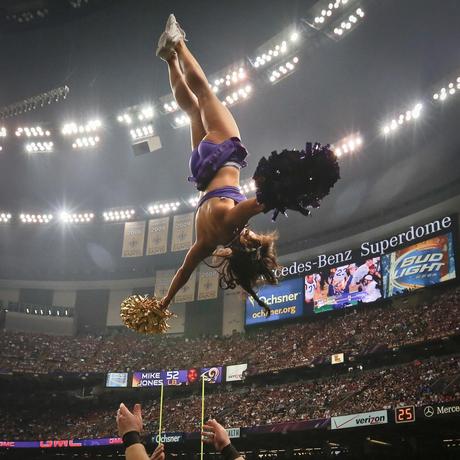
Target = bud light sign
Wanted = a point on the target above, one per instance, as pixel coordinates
(284, 299)
(422, 264)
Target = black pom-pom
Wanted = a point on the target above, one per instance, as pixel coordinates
(295, 179)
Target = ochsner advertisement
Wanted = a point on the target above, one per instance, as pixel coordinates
(168, 437)
(284, 299)
(378, 417)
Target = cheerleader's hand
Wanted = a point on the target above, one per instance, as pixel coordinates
(164, 302)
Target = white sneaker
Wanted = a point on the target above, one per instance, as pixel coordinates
(169, 39)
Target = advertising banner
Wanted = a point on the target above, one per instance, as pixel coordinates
(162, 281)
(369, 250)
(284, 299)
(117, 380)
(379, 417)
(168, 438)
(422, 264)
(338, 358)
(284, 427)
(133, 239)
(60, 443)
(182, 235)
(187, 292)
(157, 236)
(235, 372)
(208, 283)
(439, 410)
(233, 433)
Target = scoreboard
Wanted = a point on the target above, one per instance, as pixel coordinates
(405, 414)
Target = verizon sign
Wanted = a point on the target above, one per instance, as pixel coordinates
(379, 417)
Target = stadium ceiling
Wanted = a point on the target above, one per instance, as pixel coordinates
(358, 81)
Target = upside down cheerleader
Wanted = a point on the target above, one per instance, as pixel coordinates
(292, 179)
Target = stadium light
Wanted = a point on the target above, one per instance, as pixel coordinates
(145, 113)
(163, 208)
(75, 129)
(39, 147)
(5, 217)
(35, 218)
(278, 72)
(32, 131)
(85, 142)
(349, 144)
(447, 91)
(3, 131)
(230, 76)
(142, 132)
(138, 119)
(73, 218)
(139, 112)
(34, 102)
(324, 12)
(348, 23)
(402, 118)
(238, 95)
(277, 48)
(114, 215)
(180, 120)
(248, 186)
(193, 201)
(170, 106)
(125, 118)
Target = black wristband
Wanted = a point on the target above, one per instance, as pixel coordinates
(229, 452)
(130, 438)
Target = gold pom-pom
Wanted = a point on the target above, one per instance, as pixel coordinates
(145, 314)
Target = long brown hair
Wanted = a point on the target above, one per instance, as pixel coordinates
(250, 259)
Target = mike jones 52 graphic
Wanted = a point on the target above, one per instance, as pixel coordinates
(422, 264)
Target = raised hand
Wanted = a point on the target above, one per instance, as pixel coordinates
(214, 433)
(129, 421)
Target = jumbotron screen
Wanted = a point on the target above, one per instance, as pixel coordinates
(343, 286)
(358, 281)
(177, 377)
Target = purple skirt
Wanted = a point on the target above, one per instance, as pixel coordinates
(208, 158)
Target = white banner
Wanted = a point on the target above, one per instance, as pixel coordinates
(162, 281)
(187, 292)
(378, 417)
(208, 283)
(182, 235)
(133, 239)
(233, 432)
(338, 358)
(157, 236)
(235, 372)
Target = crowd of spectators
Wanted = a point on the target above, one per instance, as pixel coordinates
(359, 331)
(420, 382)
